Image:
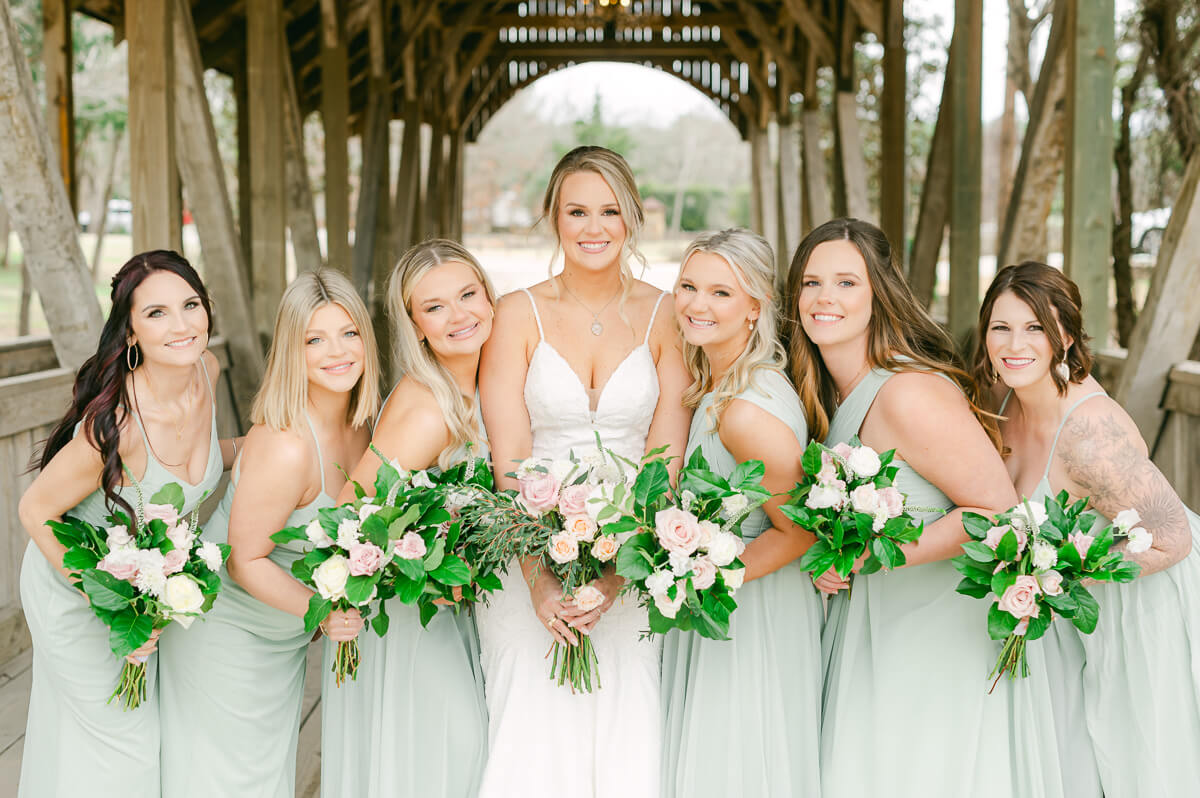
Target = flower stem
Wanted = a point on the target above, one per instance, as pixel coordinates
(131, 687)
(345, 661)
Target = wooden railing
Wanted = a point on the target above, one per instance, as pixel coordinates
(31, 402)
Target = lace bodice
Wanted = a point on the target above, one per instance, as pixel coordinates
(560, 414)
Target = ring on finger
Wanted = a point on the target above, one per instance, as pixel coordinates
(550, 621)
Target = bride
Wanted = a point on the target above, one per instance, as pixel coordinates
(587, 351)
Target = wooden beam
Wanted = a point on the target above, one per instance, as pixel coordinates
(1170, 319)
(203, 174)
(58, 62)
(935, 197)
(450, 46)
(301, 213)
(769, 42)
(893, 123)
(335, 113)
(967, 166)
(268, 171)
(478, 54)
(1034, 182)
(153, 179)
(749, 60)
(813, 28)
(869, 13)
(40, 211)
(1087, 189)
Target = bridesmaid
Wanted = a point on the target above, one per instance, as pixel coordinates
(1136, 679)
(742, 717)
(232, 686)
(414, 721)
(142, 405)
(906, 705)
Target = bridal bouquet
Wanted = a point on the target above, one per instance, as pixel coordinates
(848, 501)
(552, 519)
(141, 575)
(1032, 560)
(682, 547)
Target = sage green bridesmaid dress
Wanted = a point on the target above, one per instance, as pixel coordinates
(76, 743)
(907, 712)
(231, 686)
(1140, 675)
(414, 721)
(742, 716)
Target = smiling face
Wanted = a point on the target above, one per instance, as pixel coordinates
(835, 297)
(712, 307)
(1017, 344)
(451, 310)
(167, 320)
(590, 226)
(333, 349)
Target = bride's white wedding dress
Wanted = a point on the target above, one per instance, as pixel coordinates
(546, 742)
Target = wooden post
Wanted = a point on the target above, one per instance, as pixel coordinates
(58, 60)
(935, 197)
(264, 69)
(817, 209)
(452, 223)
(790, 212)
(762, 181)
(1087, 189)
(153, 178)
(435, 178)
(301, 214)
(335, 112)
(204, 176)
(967, 168)
(372, 180)
(408, 179)
(893, 189)
(37, 203)
(1170, 319)
(853, 163)
(242, 101)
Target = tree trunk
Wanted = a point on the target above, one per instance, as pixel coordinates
(1160, 31)
(101, 216)
(1122, 242)
(5, 226)
(26, 299)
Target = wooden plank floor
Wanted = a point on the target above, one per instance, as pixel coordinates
(15, 679)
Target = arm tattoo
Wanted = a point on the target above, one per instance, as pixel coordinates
(1100, 457)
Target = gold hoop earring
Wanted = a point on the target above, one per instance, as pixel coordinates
(130, 350)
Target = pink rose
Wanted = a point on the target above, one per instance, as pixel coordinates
(1051, 583)
(563, 547)
(573, 500)
(678, 530)
(181, 535)
(891, 500)
(581, 527)
(997, 533)
(588, 598)
(165, 512)
(121, 563)
(174, 560)
(539, 492)
(605, 548)
(842, 450)
(366, 558)
(409, 547)
(1082, 542)
(1020, 600)
(704, 573)
(865, 499)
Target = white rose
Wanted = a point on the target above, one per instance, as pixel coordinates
(347, 533)
(723, 549)
(708, 531)
(733, 506)
(151, 578)
(367, 510)
(734, 577)
(658, 582)
(118, 536)
(823, 496)
(1050, 583)
(1021, 518)
(865, 499)
(681, 563)
(182, 595)
(864, 462)
(1139, 540)
(667, 606)
(330, 577)
(1044, 555)
(317, 534)
(420, 479)
(210, 553)
(1127, 520)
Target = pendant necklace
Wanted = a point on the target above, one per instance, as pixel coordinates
(597, 328)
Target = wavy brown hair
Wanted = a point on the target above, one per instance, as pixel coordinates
(901, 335)
(1055, 301)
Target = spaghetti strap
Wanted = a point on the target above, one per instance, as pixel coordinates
(1004, 404)
(317, 443)
(208, 380)
(1063, 423)
(653, 313)
(536, 317)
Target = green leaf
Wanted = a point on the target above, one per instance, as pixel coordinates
(1087, 610)
(129, 632)
(433, 558)
(413, 569)
(1126, 571)
(106, 591)
(318, 610)
(1038, 626)
(170, 493)
(1000, 623)
(409, 590)
(375, 530)
(1064, 604)
(70, 531)
(969, 587)
(703, 482)
(634, 560)
(747, 474)
(427, 610)
(358, 588)
(811, 461)
(79, 559)
(1007, 548)
(381, 621)
(811, 559)
(289, 534)
(1068, 554)
(973, 570)
(399, 528)
(980, 552)
(976, 525)
(490, 582)
(845, 562)
(888, 553)
(452, 571)
(651, 482)
(1002, 581)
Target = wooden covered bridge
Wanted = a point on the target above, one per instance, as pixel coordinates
(448, 66)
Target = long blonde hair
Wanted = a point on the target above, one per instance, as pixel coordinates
(414, 356)
(615, 171)
(283, 395)
(750, 258)
(901, 335)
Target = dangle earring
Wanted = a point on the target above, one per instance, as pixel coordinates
(993, 373)
(750, 324)
(1063, 370)
(130, 360)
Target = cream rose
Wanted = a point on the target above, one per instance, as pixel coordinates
(581, 527)
(317, 535)
(564, 548)
(1051, 583)
(118, 536)
(605, 548)
(704, 573)
(677, 530)
(1020, 599)
(330, 577)
(824, 496)
(864, 462)
(667, 606)
(183, 596)
(723, 549)
(865, 499)
(367, 510)
(588, 598)
(733, 506)
(734, 577)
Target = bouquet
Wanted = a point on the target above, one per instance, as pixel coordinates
(140, 575)
(552, 518)
(1032, 560)
(682, 547)
(847, 500)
